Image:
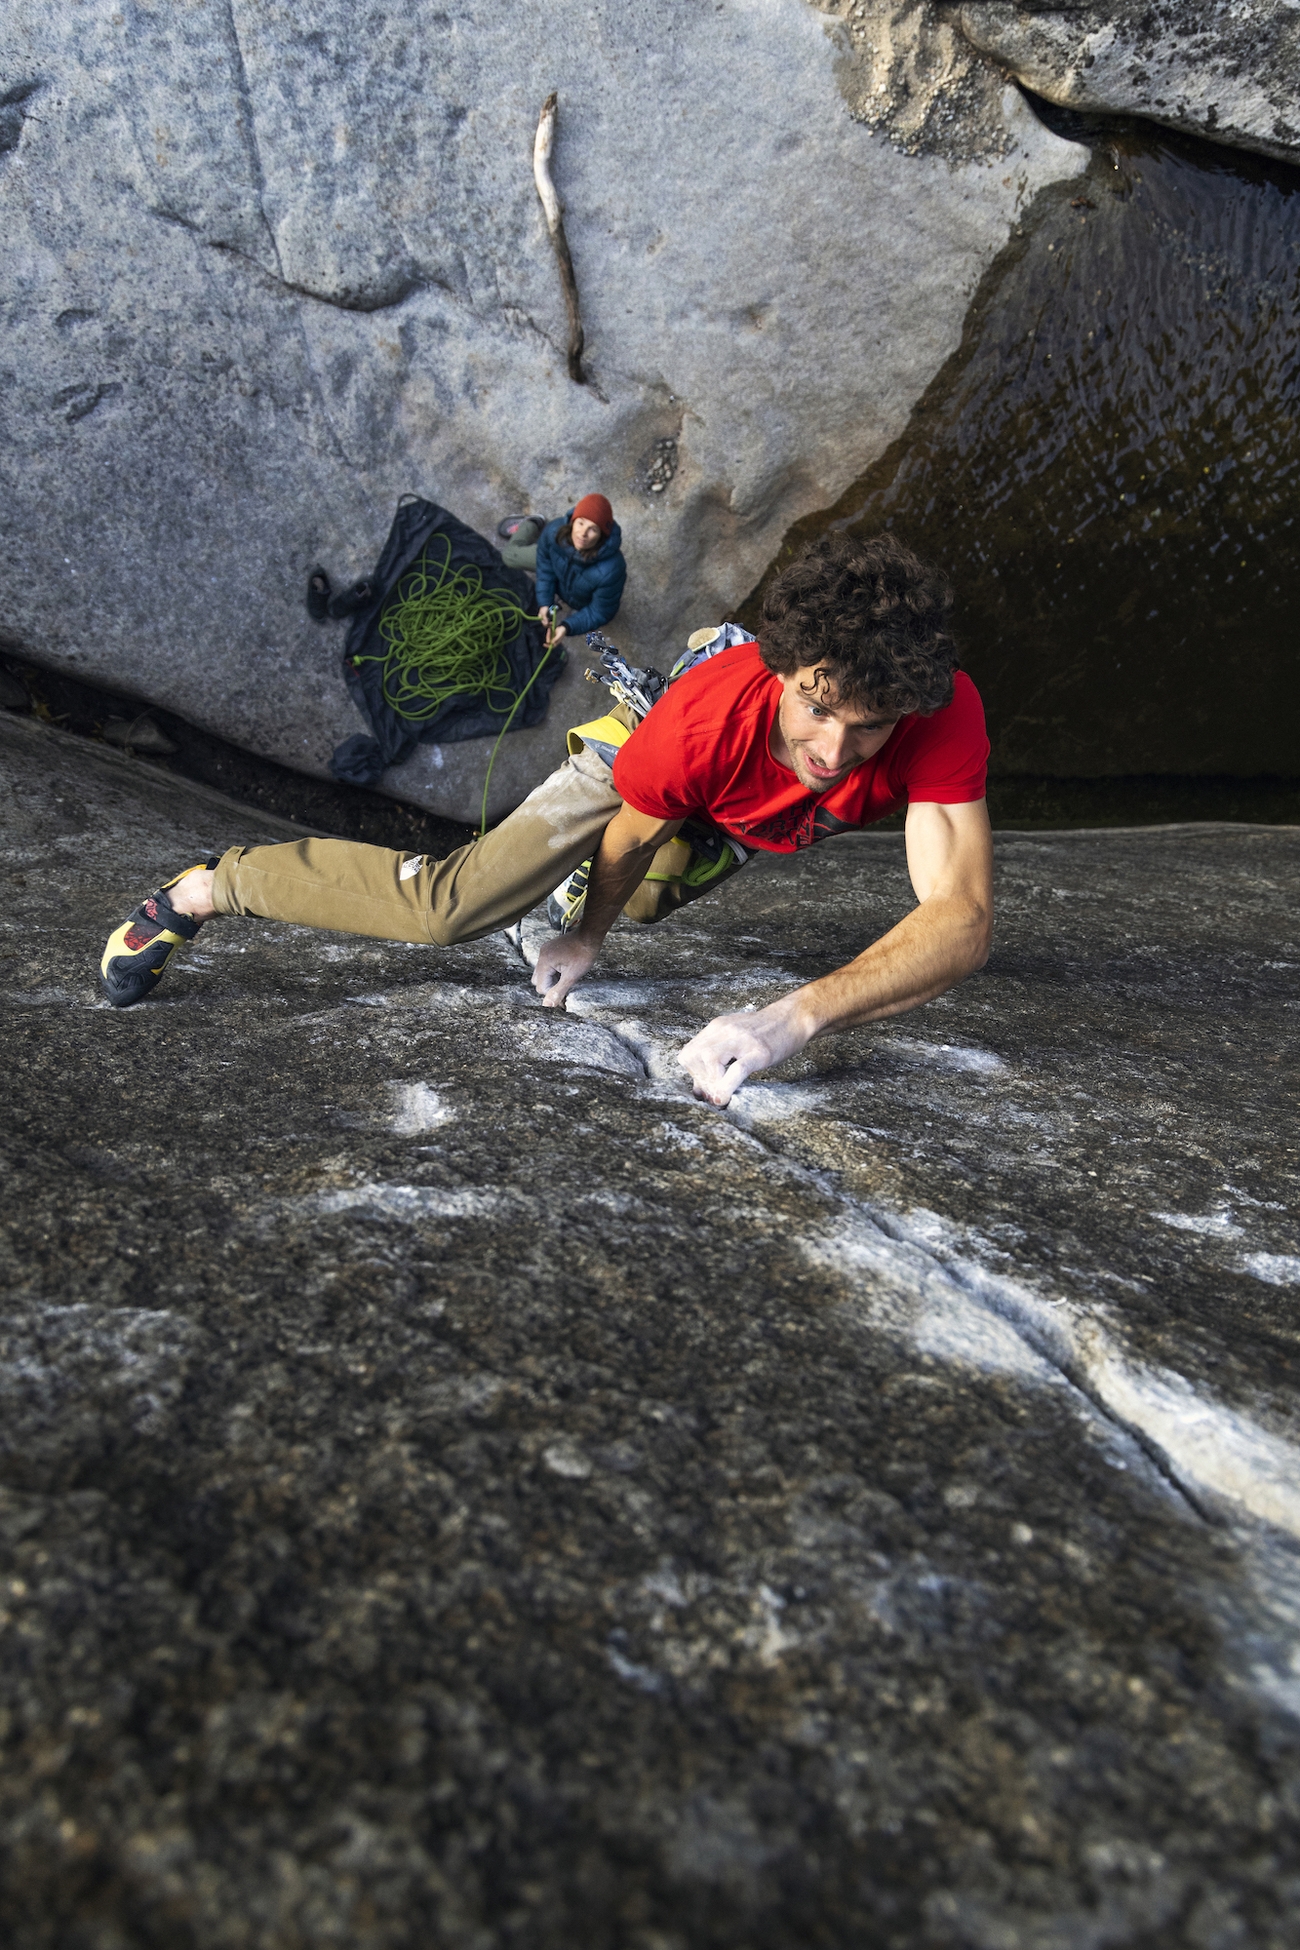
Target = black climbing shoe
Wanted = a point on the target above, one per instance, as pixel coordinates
(138, 952)
(318, 595)
(349, 601)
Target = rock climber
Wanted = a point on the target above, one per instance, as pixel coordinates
(851, 708)
(578, 561)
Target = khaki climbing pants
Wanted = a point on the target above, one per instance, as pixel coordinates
(479, 888)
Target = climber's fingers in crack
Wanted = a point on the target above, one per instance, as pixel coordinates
(561, 964)
(731, 1048)
(719, 1059)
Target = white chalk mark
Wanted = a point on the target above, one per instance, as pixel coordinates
(950, 1056)
(418, 1202)
(951, 1305)
(419, 1108)
(1218, 1224)
(1279, 1269)
(565, 1459)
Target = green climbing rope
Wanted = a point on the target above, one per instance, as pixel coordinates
(445, 635)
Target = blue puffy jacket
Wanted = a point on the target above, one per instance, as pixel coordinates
(592, 585)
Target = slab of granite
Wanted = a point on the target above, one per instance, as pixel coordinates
(457, 1489)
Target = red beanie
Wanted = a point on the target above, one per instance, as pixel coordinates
(594, 507)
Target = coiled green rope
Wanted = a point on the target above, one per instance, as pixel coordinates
(445, 635)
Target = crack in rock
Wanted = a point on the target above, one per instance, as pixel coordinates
(12, 114)
(1207, 1452)
(248, 122)
(387, 296)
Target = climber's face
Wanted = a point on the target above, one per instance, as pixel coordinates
(585, 534)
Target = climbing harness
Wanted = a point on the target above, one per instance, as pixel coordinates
(699, 854)
(445, 635)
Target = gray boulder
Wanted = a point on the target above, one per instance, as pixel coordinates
(264, 273)
(1225, 69)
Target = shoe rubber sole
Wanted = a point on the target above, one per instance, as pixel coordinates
(136, 955)
(565, 907)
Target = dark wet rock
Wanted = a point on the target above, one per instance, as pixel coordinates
(456, 1488)
(138, 734)
(1215, 68)
(1106, 472)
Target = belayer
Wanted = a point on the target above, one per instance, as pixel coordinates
(578, 561)
(850, 708)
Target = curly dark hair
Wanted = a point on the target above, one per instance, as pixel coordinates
(870, 618)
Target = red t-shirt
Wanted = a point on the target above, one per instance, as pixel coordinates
(703, 753)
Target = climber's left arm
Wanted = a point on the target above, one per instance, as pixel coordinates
(945, 938)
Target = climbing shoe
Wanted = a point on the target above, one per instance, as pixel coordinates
(564, 908)
(522, 530)
(318, 595)
(349, 601)
(139, 951)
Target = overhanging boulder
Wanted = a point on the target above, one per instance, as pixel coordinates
(265, 275)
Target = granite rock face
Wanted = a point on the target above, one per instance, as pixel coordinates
(457, 1488)
(1214, 68)
(267, 268)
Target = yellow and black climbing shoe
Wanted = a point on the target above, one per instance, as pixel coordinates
(566, 906)
(139, 951)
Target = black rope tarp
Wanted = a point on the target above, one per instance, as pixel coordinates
(360, 760)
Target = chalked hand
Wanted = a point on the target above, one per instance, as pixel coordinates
(561, 964)
(733, 1047)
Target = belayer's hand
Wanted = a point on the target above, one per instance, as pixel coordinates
(561, 965)
(731, 1048)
